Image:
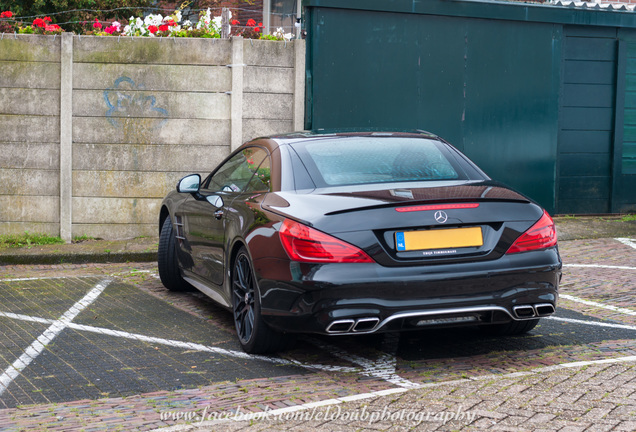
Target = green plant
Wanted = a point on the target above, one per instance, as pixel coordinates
(28, 239)
(629, 218)
(84, 237)
(75, 12)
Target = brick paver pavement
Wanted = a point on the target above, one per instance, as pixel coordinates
(505, 389)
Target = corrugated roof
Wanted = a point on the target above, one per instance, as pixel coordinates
(593, 5)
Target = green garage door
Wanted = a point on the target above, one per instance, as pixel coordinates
(586, 127)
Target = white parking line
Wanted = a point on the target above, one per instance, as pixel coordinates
(628, 242)
(278, 413)
(34, 350)
(600, 266)
(44, 278)
(598, 305)
(384, 368)
(593, 323)
(181, 344)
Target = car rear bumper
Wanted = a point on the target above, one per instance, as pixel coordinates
(368, 298)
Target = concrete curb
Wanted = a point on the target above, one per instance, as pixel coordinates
(78, 258)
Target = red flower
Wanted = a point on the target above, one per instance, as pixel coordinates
(152, 29)
(110, 29)
(39, 22)
(235, 22)
(6, 14)
(47, 19)
(256, 29)
(171, 23)
(163, 27)
(97, 24)
(251, 22)
(52, 27)
(260, 24)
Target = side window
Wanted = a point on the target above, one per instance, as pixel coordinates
(261, 180)
(235, 174)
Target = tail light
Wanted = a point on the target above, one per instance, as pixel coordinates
(306, 244)
(541, 235)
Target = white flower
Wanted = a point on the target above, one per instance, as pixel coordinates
(177, 16)
(126, 31)
(217, 22)
(155, 20)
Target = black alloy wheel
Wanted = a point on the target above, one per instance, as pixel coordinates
(243, 294)
(167, 264)
(253, 334)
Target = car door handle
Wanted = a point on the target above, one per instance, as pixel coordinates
(218, 214)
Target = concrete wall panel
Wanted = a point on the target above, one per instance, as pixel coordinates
(268, 80)
(173, 78)
(96, 130)
(30, 101)
(52, 229)
(16, 208)
(32, 129)
(31, 75)
(268, 106)
(268, 53)
(28, 155)
(30, 182)
(30, 48)
(253, 128)
(125, 157)
(115, 210)
(176, 51)
(114, 231)
(183, 105)
(124, 184)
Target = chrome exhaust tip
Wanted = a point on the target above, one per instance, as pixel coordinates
(524, 311)
(365, 324)
(544, 309)
(340, 326)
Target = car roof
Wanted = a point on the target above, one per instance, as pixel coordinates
(349, 132)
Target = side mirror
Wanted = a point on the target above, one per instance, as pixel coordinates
(189, 184)
(215, 200)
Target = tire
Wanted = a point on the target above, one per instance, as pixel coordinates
(169, 272)
(511, 328)
(254, 335)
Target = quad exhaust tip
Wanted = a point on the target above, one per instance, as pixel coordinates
(370, 324)
(360, 325)
(531, 311)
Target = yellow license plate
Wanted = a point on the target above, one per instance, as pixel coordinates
(438, 239)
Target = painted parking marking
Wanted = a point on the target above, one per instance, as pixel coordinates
(56, 327)
(627, 242)
(384, 368)
(598, 305)
(180, 344)
(600, 266)
(594, 323)
(372, 395)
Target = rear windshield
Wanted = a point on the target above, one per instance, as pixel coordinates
(361, 160)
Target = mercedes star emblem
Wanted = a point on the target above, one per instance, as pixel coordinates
(441, 216)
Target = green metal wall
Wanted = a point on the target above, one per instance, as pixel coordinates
(586, 120)
(492, 87)
(624, 176)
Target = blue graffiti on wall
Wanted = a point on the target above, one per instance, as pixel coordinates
(127, 99)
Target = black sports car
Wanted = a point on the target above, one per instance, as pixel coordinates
(351, 233)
